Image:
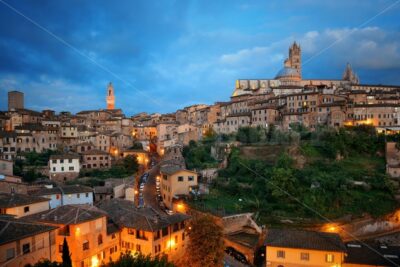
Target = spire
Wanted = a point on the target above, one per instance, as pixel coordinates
(350, 75)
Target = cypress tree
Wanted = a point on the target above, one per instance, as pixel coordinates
(66, 256)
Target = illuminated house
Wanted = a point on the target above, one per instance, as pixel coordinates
(91, 241)
(64, 167)
(289, 247)
(146, 230)
(23, 243)
(66, 195)
(20, 205)
(175, 182)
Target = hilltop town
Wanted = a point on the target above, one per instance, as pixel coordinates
(290, 168)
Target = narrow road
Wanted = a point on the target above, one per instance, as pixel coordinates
(150, 192)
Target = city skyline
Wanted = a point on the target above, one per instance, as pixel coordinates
(163, 57)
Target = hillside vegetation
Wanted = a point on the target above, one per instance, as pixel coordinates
(328, 172)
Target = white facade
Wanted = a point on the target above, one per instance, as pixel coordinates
(57, 200)
(66, 165)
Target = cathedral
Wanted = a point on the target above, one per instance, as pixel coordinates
(289, 79)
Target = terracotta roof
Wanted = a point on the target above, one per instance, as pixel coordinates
(65, 156)
(171, 169)
(381, 255)
(68, 214)
(245, 239)
(12, 229)
(303, 239)
(377, 105)
(94, 152)
(242, 114)
(376, 85)
(136, 151)
(103, 190)
(125, 214)
(8, 200)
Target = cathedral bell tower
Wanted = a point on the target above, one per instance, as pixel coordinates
(295, 57)
(110, 98)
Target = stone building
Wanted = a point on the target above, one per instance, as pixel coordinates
(23, 243)
(146, 230)
(290, 247)
(64, 167)
(176, 182)
(20, 205)
(66, 195)
(15, 100)
(85, 228)
(95, 159)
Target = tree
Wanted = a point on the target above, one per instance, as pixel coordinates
(137, 145)
(210, 133)
(283, 183)
(47, 263)
(66, 256)
(129, 260)
(270, 132)
(205, 246)
(130, 163)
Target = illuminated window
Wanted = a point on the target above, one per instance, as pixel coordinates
(280, 254)
(329, 257)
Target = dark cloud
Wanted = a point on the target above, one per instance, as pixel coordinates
(163, 55)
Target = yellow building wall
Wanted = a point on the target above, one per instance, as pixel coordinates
(292, 258)
(33, 208)
(171, 187)
(41, 247)
(173, 244)
(87, 231)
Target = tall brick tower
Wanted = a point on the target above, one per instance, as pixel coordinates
(110, 97)
(295, 57)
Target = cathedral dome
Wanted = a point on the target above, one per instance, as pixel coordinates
(288, 73)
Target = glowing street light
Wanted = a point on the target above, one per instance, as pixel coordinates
(95, 261)
(170, 243)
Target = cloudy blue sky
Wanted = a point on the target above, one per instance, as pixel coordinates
(164, 55)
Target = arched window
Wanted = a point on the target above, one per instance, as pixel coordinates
(100, 239)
